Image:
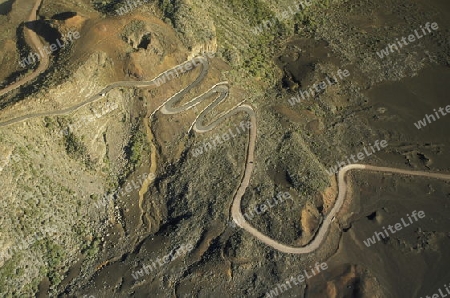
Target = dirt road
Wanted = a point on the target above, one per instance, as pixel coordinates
(221, 91)
(36, 43)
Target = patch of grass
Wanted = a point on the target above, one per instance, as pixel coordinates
(137, 147)
(255, 10)
(49, 122)
(108, 7)
(55, 258)
(8, 270)
(169, 9)
(93, 249)
(133, 27)
(12, 269)
(76, 149)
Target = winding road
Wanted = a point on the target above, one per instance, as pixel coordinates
(220, 92)
(324, 228)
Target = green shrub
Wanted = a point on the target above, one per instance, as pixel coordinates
(137, 146)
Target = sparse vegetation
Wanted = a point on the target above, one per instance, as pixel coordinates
(76, 149)
(137, 147)
(169, 9)
(181, 197)
(107, 7)
(55, 257)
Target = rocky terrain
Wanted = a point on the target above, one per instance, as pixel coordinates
(60, 237)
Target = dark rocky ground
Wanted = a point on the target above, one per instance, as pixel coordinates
(190, 200)
(380, 100)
